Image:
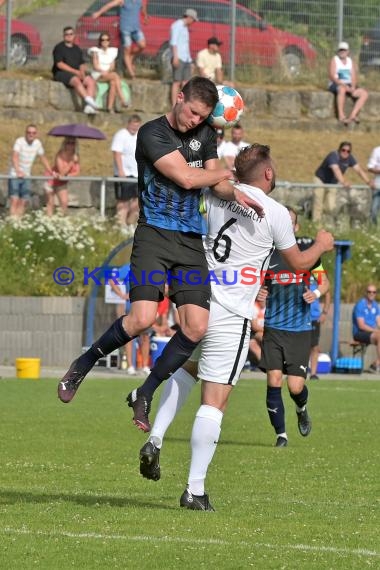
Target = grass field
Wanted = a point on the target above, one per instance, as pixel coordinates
(72, 496)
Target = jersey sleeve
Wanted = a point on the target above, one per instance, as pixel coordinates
(155, 142)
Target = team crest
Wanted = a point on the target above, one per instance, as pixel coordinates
(194, 144)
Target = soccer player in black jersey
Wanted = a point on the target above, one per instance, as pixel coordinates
(176, 156)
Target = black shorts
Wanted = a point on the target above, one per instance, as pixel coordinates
(285, 350)
(363, 337)
(64, 77)
(126, 190)
(178, 258)
(315, 333)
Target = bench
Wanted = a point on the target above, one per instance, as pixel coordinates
(358, 349)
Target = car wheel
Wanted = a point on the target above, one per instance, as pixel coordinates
(19, 53)
(164, 64)
(291, 61)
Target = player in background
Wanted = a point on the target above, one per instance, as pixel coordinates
(287, 336)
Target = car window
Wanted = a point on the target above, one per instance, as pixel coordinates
(95, 7)
(246, 19)
(162, 9)
(215, 13)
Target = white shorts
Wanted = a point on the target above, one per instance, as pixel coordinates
(223, 351)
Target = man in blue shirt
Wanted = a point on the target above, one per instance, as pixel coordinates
(132, 37)
(332, 171)
(366, 323)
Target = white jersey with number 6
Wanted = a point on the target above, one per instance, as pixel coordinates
(238, 246)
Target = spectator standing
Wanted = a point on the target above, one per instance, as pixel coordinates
(209, 61)
(332, 171)
(25, 151)
(220, 142)
(374, 167)
(66, 164)
(366, 323)
(180, 46)
(232, 147)
(343, 83)
(103, 64)
(70, 69)
(125, 166)
(132, 36)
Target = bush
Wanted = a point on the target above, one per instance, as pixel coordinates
(36, 245)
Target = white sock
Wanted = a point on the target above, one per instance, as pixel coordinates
(204, 439)
(282, 435)
(174, 395)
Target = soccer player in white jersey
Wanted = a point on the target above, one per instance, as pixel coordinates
(238, 246)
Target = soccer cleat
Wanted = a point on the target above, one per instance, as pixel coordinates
(314, 377)
(150, 461)
(304, 422)
(281, 442)
(141, 408)
(195, 502)
(70, 383)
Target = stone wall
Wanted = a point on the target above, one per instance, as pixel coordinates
(42, 101)
(53, 328)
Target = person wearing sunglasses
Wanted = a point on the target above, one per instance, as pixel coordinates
(25, 151)
(70, 69)
(343, 77)
(103, 64)
(366, 323)
(332, 171)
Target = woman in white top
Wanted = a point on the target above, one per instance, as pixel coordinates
(343, 82)
(103, 64)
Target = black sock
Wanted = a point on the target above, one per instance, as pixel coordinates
(175, 353)
(300, 399)
(113, 338)
(276, 410)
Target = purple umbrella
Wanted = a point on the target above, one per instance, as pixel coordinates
(78, 131)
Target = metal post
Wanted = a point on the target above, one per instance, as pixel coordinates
(342, 253)
(103, 198)
(233, 40)
(8, 35)
(340, 18)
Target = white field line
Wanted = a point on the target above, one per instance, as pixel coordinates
(195, 541)
(330, 388)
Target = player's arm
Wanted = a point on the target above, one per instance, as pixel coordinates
(323, 287)
(175, 167)
(303, 260)
(227, 191)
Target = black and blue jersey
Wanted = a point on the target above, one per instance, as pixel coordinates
(163, 203)
(285, 307)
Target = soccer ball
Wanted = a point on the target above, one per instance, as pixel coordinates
(228, 109)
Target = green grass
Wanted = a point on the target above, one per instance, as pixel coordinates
(71, 495)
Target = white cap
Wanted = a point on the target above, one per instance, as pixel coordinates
(191, 14)
(343, 45)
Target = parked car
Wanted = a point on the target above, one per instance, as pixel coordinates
(370, 49)
(257, 42)
(25, 42)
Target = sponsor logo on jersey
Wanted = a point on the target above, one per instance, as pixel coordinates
(194, 144)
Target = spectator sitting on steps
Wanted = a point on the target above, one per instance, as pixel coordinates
(69, 68)
(343, 83)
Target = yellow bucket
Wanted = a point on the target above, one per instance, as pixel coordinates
(28, 368)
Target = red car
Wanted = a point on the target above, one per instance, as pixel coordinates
(257, 43)
(25, 41)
